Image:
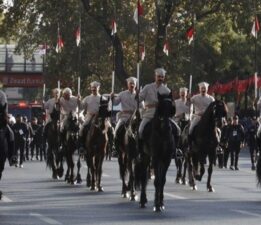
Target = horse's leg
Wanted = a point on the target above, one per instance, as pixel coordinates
(191, 173)
(71, 163)
(178, 163)
(145, 162)
(59, 162)
(92, 173)
(131, 179)
(202, 166)
(79, 165)
(122, 165)
(88, 176)
(185, 165)
(51, 162)
(157, 181)
(67, 176)
(99, 172)
(210, 170)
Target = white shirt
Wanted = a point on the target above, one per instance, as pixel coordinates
(91, 103)
(127, 100)
(201, 103)
(181, 107)
(149, 93)
(68, 106)
(49, 106)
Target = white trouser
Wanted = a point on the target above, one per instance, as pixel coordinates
(120, 122)
(194, 122)
(63, 118)
(143, 123)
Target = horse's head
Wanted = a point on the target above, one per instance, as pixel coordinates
(165, 108)
(3, 115)
(55, 114)
(164, 111)
(71, 124)
(103, 108)
(219, 110)
(134, 121)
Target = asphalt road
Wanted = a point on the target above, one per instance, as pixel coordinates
(32, 197)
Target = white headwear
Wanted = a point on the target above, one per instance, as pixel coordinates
(203, 84)
(132, 80)
(160, 71)
(56, 90)
(183, 89)
(67, 90)
(95, 84)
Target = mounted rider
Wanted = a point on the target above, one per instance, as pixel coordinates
(68, 104)
(200, 103)
(49, 107)
(10, 133)
(149, 95)
(128, 102)
(90, 105)
(182, 109)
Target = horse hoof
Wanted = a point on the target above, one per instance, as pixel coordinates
(211, 189)
(142, 205)
(92, 188)
(157, 209)
(132, 198)
(184, 182)
(123, 195)
(194, 188)
(100, 189)
(178, 181)
(79, 181)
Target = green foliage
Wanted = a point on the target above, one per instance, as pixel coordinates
(223, 48)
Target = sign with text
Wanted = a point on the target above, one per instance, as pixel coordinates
(22, 80)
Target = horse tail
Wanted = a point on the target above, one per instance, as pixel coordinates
(258, 171)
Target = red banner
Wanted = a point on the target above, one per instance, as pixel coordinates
(235, 85)
(22, 80)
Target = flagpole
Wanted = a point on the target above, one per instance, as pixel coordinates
(114, 30)
(80, 46)
(138, 51)
(192, 49)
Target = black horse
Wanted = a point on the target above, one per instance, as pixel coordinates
(126, 147)
(95, 144)
(70, 144)
(204, 143)
(159, 146)
(52, 135)
(5, 150)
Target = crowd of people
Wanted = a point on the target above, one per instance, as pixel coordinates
(30, 141)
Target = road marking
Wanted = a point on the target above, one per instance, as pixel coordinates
(174, 196)
(246, 213)
(6, 199)
(45, 219)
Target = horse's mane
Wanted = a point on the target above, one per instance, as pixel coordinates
(167, 99)
(207, 120)
(208, 114)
